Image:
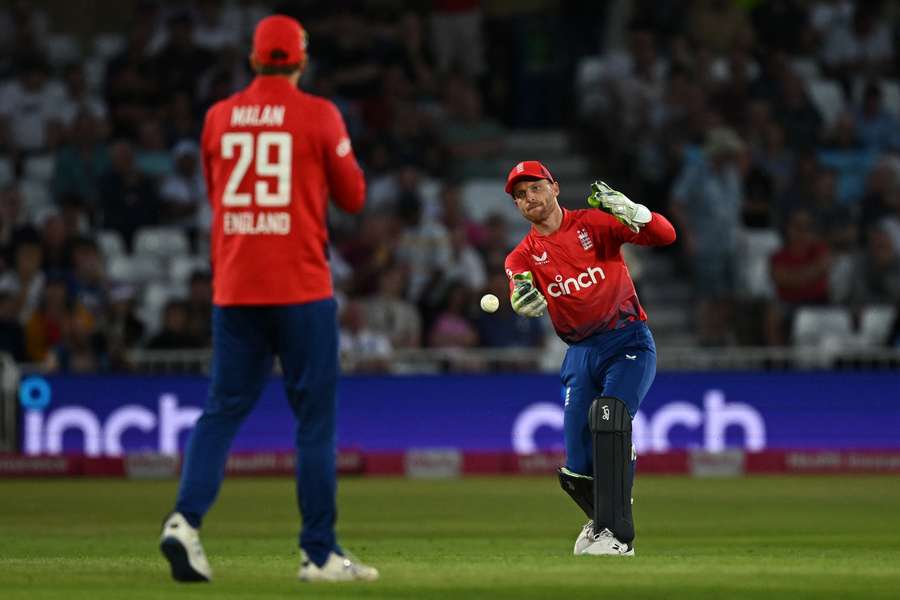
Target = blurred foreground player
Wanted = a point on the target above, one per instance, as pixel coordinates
(271, 155)
(570, 265)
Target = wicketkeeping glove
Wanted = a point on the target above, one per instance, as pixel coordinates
(631, 214)
(526, 299)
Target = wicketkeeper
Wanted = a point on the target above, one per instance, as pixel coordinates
(570, 266)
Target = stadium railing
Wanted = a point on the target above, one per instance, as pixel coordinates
(441, 360)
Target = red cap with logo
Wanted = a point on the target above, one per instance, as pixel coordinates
(527, 169)
(279, 40)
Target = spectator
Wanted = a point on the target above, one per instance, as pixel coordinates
(128, 199)
(472, 140)
(123, 330)
(78, 99)
(183, 192)
(800, 273)
(180, 63)
(12, 219)
(46, 325)
(456, 37)
(862, 48)
(26, 281)
(175, 333)
(31, 104)
(81, 348)
(152, 157)
(388, 312)
(453, 214)
(796, 114)
(876, 278)
(199, 308)
(875, 127)
(424, 245)
(12, 335)
(706, 202)
(82, 161)
(452, 328)
(361, 347)
(89, 286)
(466, 264)
(849, 159)
(55, 243)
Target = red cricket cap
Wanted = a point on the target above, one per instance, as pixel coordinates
(279, 34)
(527, 169)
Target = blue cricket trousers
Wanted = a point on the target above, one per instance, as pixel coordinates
(621, 364)
(245, 341)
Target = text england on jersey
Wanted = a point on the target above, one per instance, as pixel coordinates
(263, 223)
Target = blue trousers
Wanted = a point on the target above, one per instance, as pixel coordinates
(621, 364)
(245, 341)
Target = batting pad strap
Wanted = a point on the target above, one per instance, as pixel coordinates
(609, 415)
(580, 488)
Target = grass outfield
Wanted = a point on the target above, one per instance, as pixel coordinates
(805, 537)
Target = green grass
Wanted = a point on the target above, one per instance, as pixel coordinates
(806, 537)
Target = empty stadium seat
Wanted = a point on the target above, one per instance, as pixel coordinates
(107, 45)
(153, 301)
(135, 269)
(110, 243)
(875, 324)
(182, 267)
(815, 325)
(754, 278)
(827, 96)
(161, 242)
(40, 168)
(35, 197)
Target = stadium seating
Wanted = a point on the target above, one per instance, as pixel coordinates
(875, 324)
(182, 267)
(815, 326)
(827, 96)
(153, 301)
(110, 243)
(40, 168)
(136, 269)
(161, 242)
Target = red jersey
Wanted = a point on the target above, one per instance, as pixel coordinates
(816, 292)
(271, 156)
(580, 270)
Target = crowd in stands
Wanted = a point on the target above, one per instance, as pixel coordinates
(769, 132)
(779, 120)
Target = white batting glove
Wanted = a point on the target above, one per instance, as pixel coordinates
(526, 299)
(631, 214)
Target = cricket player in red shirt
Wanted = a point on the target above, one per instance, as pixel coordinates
(272, 154)
(570, 265)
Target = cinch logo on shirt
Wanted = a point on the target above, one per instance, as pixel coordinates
(575, 284)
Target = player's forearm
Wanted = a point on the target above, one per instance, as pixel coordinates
(658, 232)
(348, 188)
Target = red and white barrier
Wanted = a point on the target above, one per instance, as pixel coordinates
(449, 462)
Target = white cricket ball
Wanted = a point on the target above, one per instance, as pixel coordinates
(490, 303)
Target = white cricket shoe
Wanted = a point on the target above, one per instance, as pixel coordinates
(181, 546)
(606, 544)
(336, 568)
(585, 538)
